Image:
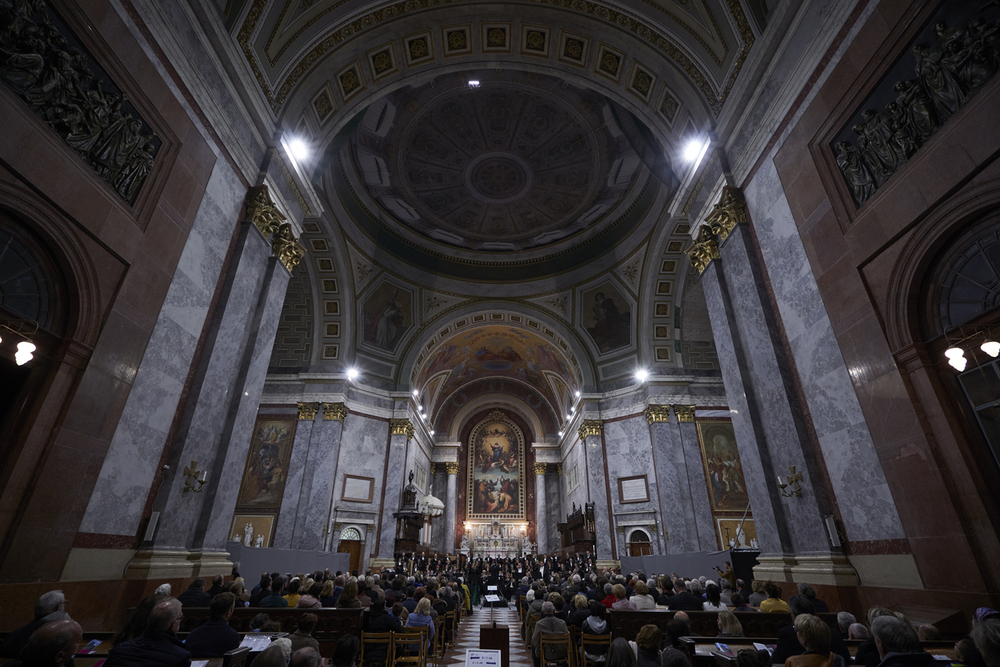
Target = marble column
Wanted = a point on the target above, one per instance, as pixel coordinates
(677, 515)
(703, 534)
(541, 510)
(217, 424)
(768, 420)
(400, 432)
(294, 476)
(315, 499)
(592, 434)
(450, 507)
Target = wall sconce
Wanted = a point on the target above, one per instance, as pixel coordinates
(25, 348)
(791, 480)
(956, 354)
(194, 479)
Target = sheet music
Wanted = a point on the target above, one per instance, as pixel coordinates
(256, 642)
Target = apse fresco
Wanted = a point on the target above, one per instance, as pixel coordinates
(497, 351)
(606, 317)
(496, 469)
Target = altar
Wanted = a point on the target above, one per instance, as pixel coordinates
(496, 539)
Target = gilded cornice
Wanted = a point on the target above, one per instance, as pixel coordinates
(685, 413)
(729, 212)
(657, 413)
(262, 211)
(540, 468)
(590, 427)
(559, 469)
(451, 468)
(704, 249)
(307, 411)
(287, 248)
(334, 412)
(401, 427)
(337, 34)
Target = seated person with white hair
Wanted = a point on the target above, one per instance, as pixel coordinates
(52, 645)
(844, 621)
(158, 646)
(49, 603)
(548, 624)
(898, 644)
(858, 632)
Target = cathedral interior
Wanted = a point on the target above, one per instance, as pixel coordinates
(639, 278)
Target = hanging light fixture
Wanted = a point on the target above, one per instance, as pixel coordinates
(991, 347)
(956, 358)
(23, 354)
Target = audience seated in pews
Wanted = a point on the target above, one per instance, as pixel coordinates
(739, 604)
(773, 603)
(214, 637)
(986, 636)
(898, 644)
(195, 595)
(758, 595)
(421, 617)
(810, 594)
(620, 654)
(346, 652)
(647, 646)
(713, 599)
(684, 600)
(49, 608)
(217, 585)
(858, 632)
(274, 598)
(158, 645)
(51, 645)
(302, 637)
(844, 621)
(548, 624)
(729, 625)
(292, 596)
(642, 600)
(311, 600)
(621, 602)
(349, 596)
(815, 637)
(788, 643)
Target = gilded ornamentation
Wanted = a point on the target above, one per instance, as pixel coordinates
(590, 427)
(540, 468)
(381, 62)
(573, 49)
(451, 467)
(703, 250)
(307, 411)
(262, 212)
(418, 48)
(729, 212)
(669, 107)
(496, 37)
(559, 469)
(194, 479)
(334, 412)
(642, 82)
(322, 105)
(457, 40)
(685, 413)
(349, 81)
(610, 63)
(401, 427)
(535, 40)
(287, 248)
(948, 73)
(657, 413)
(44, 63)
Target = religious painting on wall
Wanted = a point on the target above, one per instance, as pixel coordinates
(730, 533)
(606, 315)
(496, 469)
(388, 315)
(252, 530)
(267, 462)
(727, 488)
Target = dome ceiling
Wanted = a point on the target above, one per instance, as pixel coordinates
(519, 162)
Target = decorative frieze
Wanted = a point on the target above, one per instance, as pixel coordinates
(401, 427)
(704, 249)
(308, 411)
(591, 427)
(729, 212)
(657, 413)
(334, 412)
(685, 413)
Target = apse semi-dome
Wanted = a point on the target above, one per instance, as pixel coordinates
(519, 162)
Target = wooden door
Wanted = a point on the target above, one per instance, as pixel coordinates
(352, 547)
(640, 549)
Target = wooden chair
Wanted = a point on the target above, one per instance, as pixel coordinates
(370, 640)
(235, 658)
(410, 647)
(440, 637)
(530, 630)
(452, 623)
(602, 643)
(556, 650)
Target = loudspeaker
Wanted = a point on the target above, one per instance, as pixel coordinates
(831, 530)
(154, 519)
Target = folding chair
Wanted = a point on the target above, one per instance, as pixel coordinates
(377, 644)
(410, 647)
(598, 645)
(556, 650)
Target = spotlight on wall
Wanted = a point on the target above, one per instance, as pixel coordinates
(693, 150)
(956, 358)
(352, 374)
(299, 149)
(23, 354)
(415, 393)
(991, 347)
(560, 434)
(578, 394)
(641, 375)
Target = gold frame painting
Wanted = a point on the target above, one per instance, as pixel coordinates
(266, 469)
(496, 470)
(262, 527)
(720, 458)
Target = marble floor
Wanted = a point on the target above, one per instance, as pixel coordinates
(468, 637)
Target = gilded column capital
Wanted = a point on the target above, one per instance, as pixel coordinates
(559, 469)
(657, 413)
(540, 468)
(729, 212)
(590, 427)
(307, 411)
(451, 467)
(685, 413)
(334, 412)
(704, 249)
(262, 211)
(401, 427)
(287, 248)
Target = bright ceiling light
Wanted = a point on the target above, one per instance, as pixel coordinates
(352, 374)
(578, 394)
(560, 434)
(473, 83)
(641, 375)
(431, 431)
(23, 354)
(299, 148)
(954, 352)
(692, 150)
(415, 393)
(572, 410)
(991, 347)
(958, 363)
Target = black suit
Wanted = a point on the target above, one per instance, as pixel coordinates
(211, 639)
(788, 645)
(195, 597)
(687, 602)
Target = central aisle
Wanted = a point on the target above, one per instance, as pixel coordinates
(468, 637)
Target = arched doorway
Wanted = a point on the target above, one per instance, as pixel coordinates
(638, 544)
(351, 544)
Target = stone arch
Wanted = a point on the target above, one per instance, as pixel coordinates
(453, 422)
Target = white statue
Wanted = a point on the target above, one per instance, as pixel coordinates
(248, 534)
(741, 539)
(465, 542)
(753, 544)
(528, 546)
(237, 538)
(259, 542)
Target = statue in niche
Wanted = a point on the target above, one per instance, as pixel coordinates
(465, 542)
(259, 541)
(903, 135)
(855, 172)
(973, 61)
(941, 85)
(881, 146)
(248, 534)
(919, 109)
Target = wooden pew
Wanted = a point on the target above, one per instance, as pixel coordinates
(706, 623)
(333, 623)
